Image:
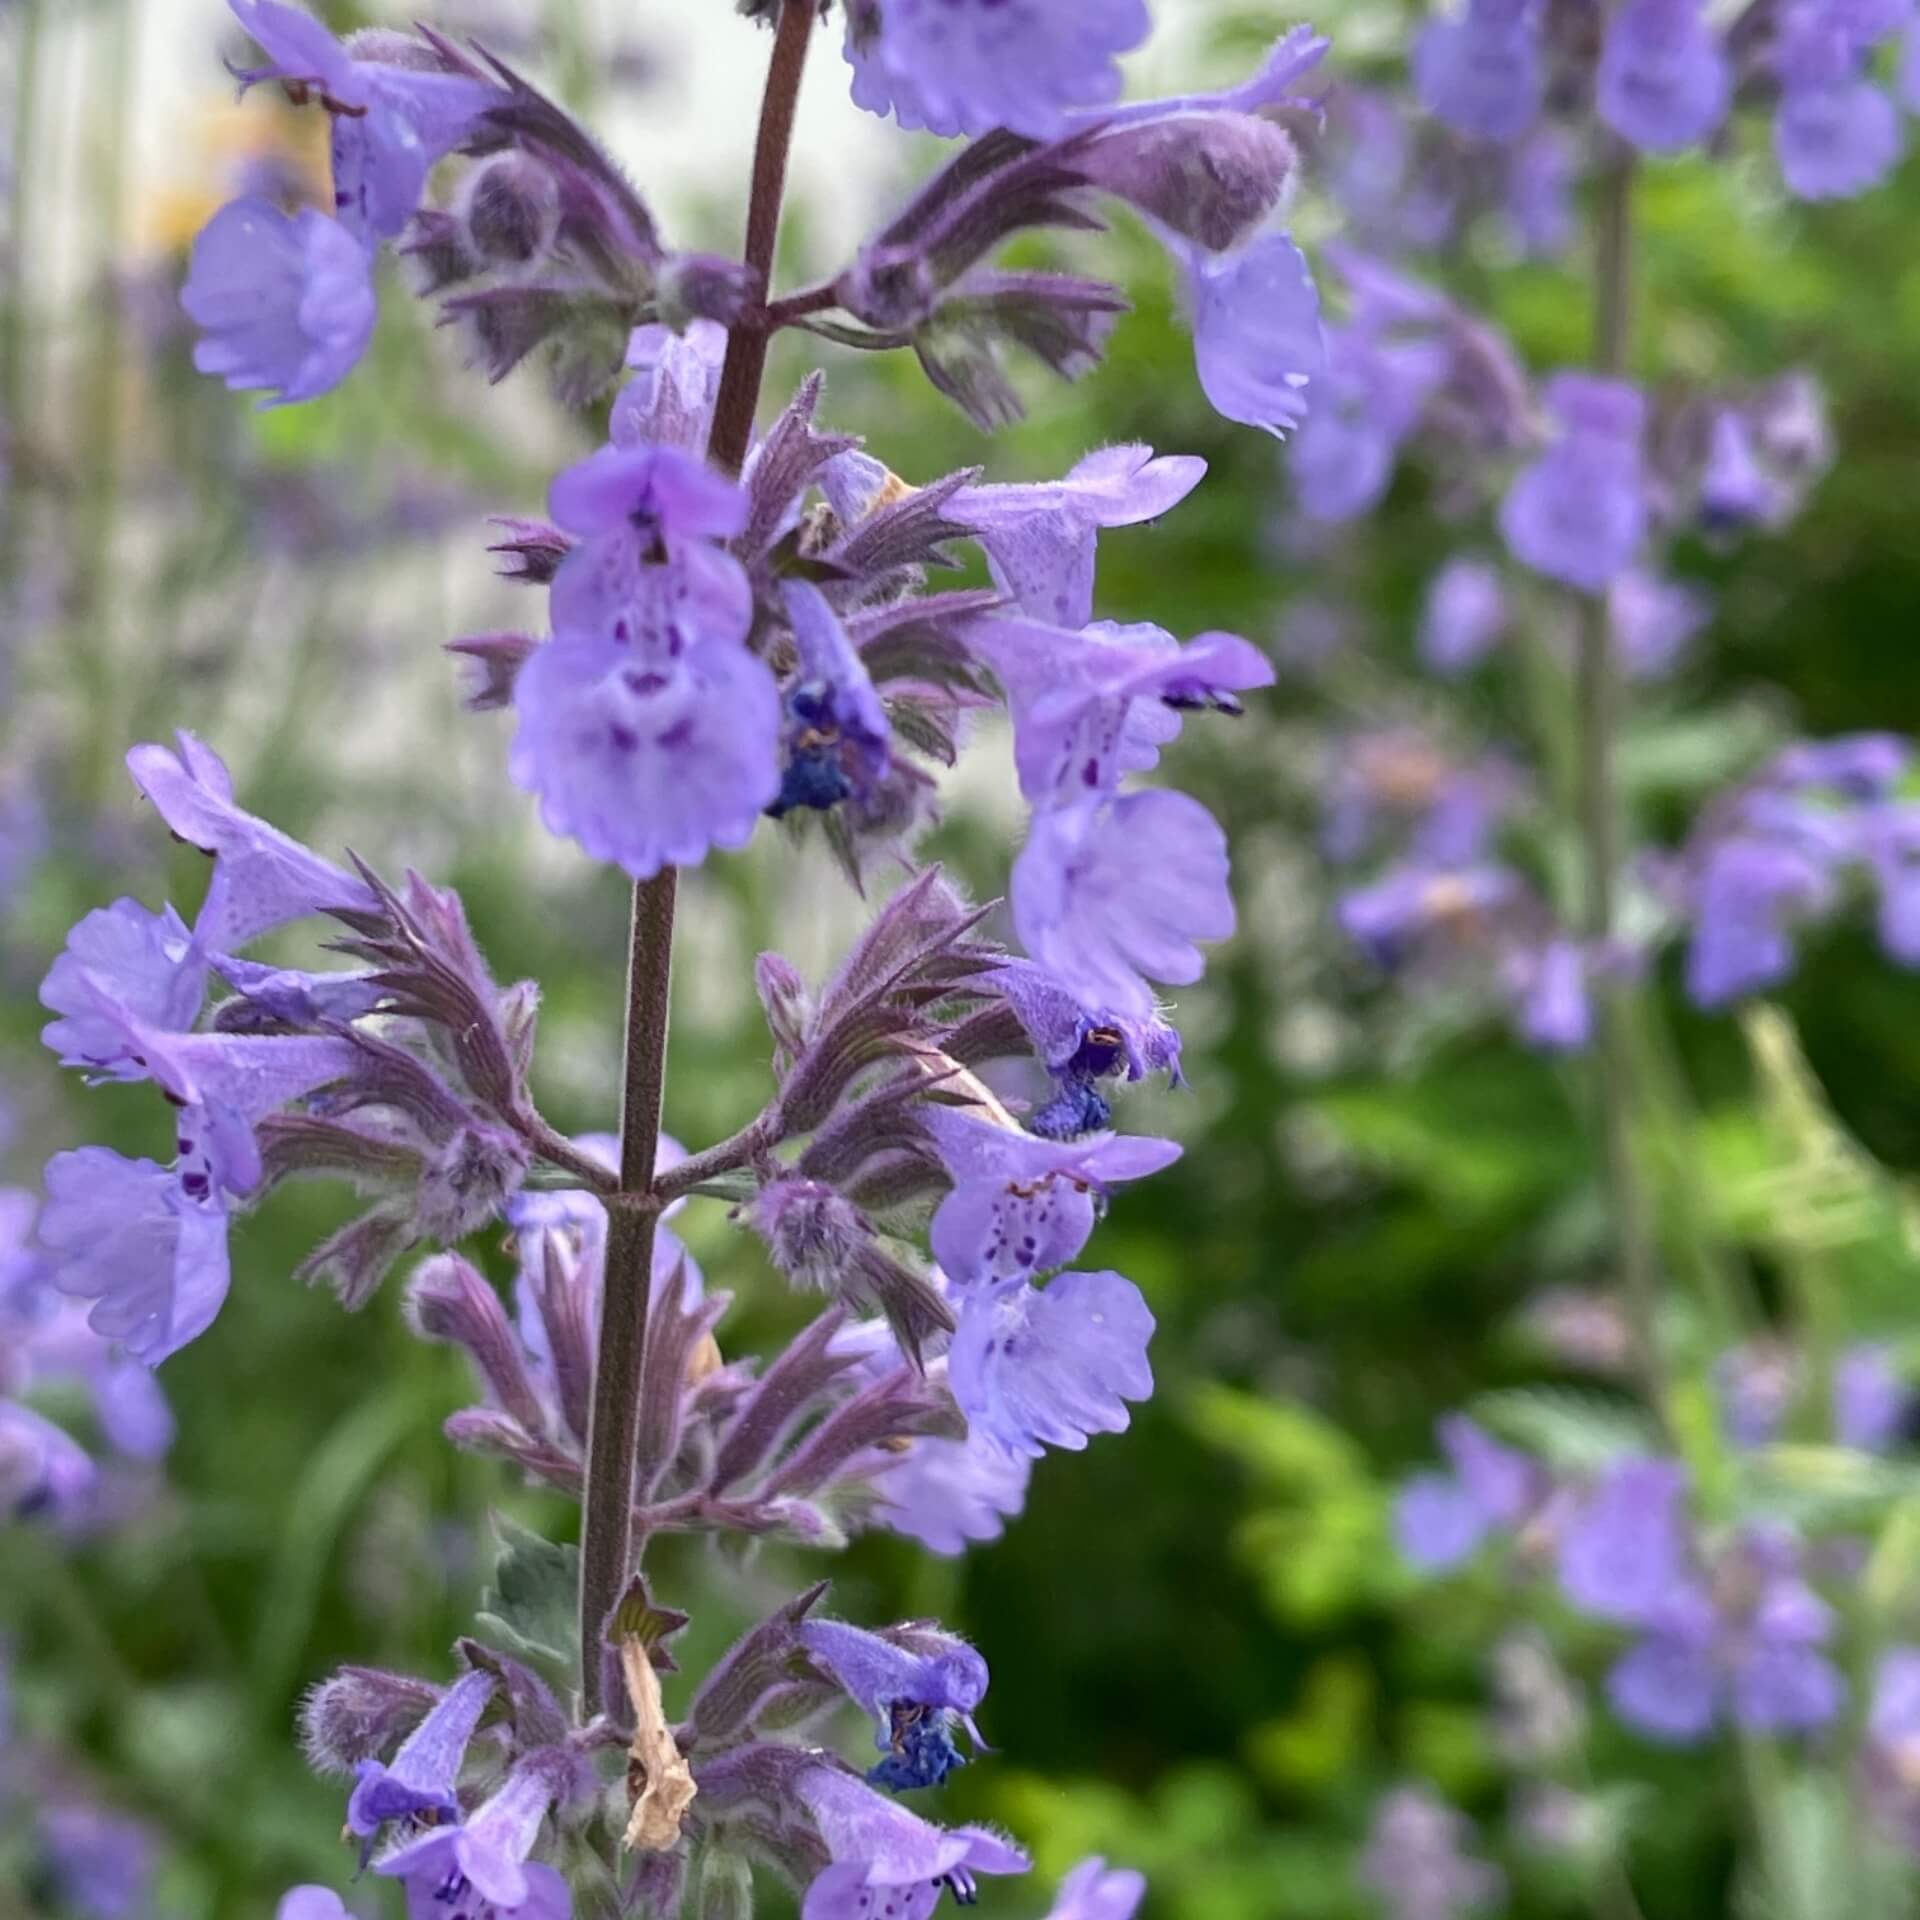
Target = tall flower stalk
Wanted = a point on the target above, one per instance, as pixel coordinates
(740, 626)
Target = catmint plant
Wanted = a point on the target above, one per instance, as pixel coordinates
(733, 619)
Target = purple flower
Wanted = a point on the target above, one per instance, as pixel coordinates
(1542, 171)
(1548, 985)
(43, 1469)
(648, 763)
(1020, 1205)
(1095, 1891)
(917, 1686)
(968, 66)
(1257, 340)
(1440, 1519)
(419, 1784)
(1464, 616)
(676, 380)
(147, 1244)
(1416, 1860)
(1081, 1046)
(391, 123)
(1663, 82)
(45, 1341)
(952, 1494)
(262, 877)
(1748, 893)
(480, 1870)
(1872, 1403)
(1481, 72)
(1034, 1369)
(1743, 1635)
(885, 1871)
(837, 741)
(1110, 894)
(1653, 620)
(146, 964)
(1364, 407)
(1625, 1547)
(1578, 513)
(311, 1903)
(646, 572)
(1092, 706)
(1835, 133)
(283, 301)
(102, 1863)
(1416, 903)
(1041, 539)
(1736, 491)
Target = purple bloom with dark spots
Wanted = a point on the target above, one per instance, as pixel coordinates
(916, 1686)
(390, 122)
(1481, 72)
(1022, 1206)
(1664, 82)
(648, 762)
(480, 1870)
(968, 66)
(646, 572)
(148, 1245)
(418, 1786)
(284, 301)
(1041, 538)
(145, 963)
(1036, 1369)
(1093, 706)
(1109, 895)
(1578, 514)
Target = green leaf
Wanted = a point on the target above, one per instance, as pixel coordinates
(1570, 1428)
(531, 1607)
(1283, 1441)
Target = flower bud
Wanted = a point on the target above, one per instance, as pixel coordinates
(358, 1713)
(510, 210)
(449, 1300)
(467, 1182)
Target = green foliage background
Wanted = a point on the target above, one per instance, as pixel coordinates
(1205, 1660)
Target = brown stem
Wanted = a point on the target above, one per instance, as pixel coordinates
(1601, 706)
(746, 362)
(606, 1525)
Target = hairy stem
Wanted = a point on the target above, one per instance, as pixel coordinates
(1600, 699)
(746, 362)
(606, 1526)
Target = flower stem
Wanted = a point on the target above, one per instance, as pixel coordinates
(1600, 698)
(606, 1526)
